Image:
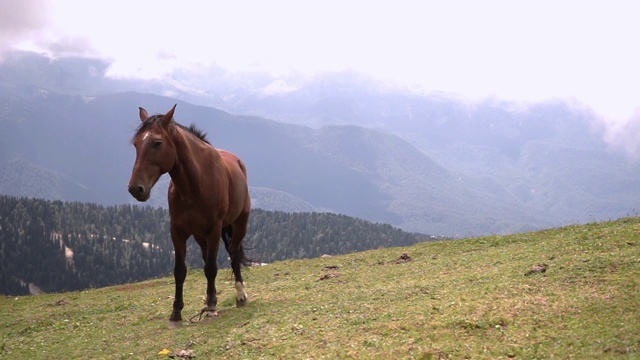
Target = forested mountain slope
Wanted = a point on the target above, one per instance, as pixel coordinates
(65, 246)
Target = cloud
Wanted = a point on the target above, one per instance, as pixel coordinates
(625, 136)
(523, 52)
(68, 46)
(19, 20)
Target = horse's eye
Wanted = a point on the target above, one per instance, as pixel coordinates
(157, 144)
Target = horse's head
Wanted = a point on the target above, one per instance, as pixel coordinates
(155, 152)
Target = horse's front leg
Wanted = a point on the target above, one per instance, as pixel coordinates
(179, 272)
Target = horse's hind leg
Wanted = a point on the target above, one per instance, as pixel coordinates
(236, 253)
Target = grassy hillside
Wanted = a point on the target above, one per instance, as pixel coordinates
(453, 299)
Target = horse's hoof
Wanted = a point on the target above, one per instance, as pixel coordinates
(210, 313)
(174, 324)
(241, 302)
(207, 314)
(241, 296)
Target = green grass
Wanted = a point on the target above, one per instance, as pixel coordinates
(456, 299)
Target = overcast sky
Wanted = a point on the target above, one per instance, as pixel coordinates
(515, 50)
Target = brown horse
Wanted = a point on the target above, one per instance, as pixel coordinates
(208, 197)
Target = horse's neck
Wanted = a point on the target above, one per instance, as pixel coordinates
(186, 173)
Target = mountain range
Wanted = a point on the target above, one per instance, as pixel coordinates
(429, 163)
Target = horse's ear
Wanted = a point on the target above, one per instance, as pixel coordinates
(166, 119)
(143, 115)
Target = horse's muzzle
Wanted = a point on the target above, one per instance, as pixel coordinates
(139, 192)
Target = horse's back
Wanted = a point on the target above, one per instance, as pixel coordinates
(233, 162)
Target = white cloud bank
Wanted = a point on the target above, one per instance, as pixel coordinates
(524, 51)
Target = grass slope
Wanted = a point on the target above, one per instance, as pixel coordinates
(457, 299)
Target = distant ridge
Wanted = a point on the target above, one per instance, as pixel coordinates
(269, 199)
(429, 163)
(19, 177)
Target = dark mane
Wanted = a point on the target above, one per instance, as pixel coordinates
(199, 133)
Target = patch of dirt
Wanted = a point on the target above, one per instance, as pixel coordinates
(404, 258)
(331, 269)
(60, 302)
(538, 269)
(329, 276)
(621, 350)
(401, 259)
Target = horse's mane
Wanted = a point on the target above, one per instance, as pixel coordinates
(199, 133)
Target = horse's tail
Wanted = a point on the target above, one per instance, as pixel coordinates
(227, 233)
(226, 236)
